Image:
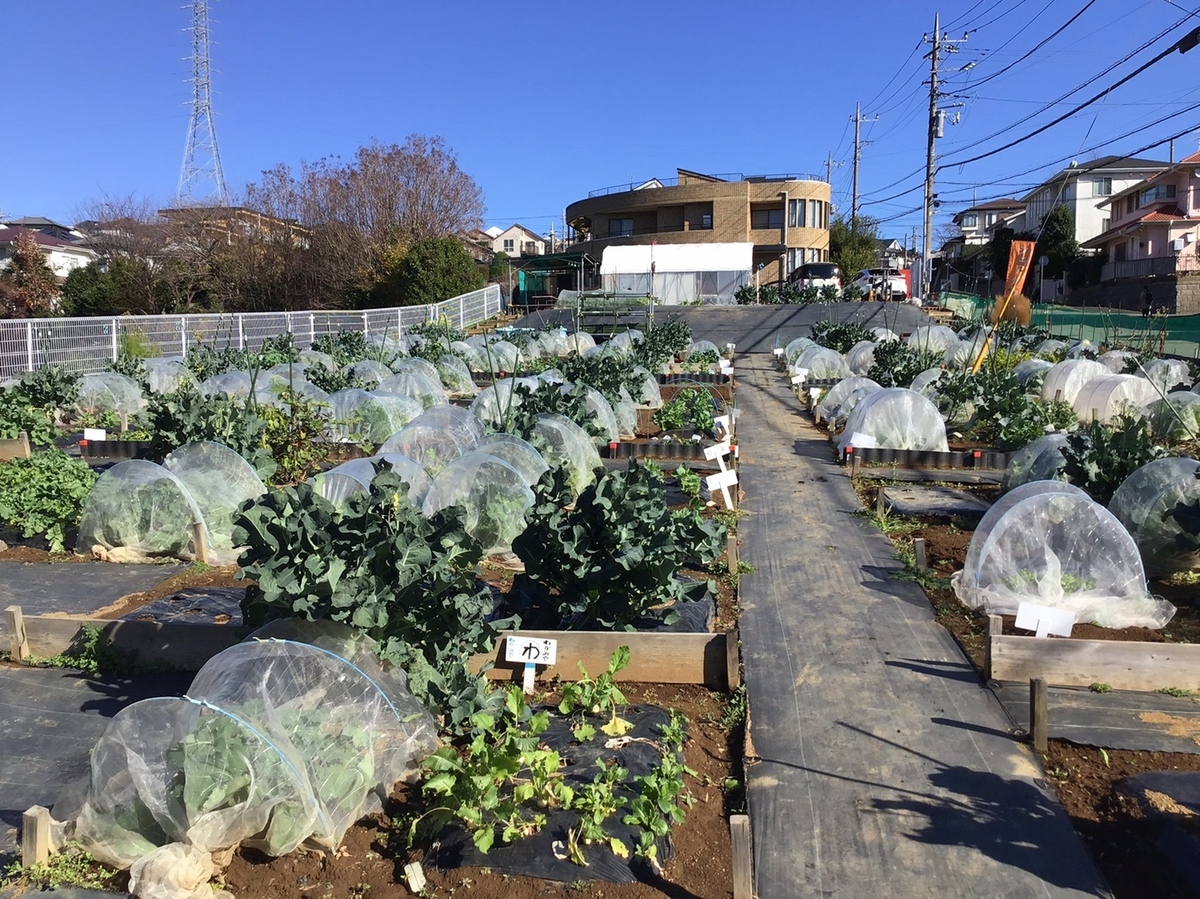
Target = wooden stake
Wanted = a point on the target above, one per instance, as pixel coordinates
(18, 641)
(919, 551)
(1039, 701)
(200, 542)
(733, 660)
(743, 865)
(35, 836)
(995, 629)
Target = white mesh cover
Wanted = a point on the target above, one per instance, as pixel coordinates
(219, 481)
(338, 486)
(579, 342)
(962, 355)
(109, 392)
(823, 364)
(369, 371)
(861, 357)
(1056, 547)
(896, 418)
(426, 390)
(230, 383)
(703, 346)
(563, 443)
(1167, 374)
(316, 358)
(793, 350)
(456, 376)
(1030, 368)
(501, 356)
(926, 382)
(436, 437)
(649, 394)
(167, 375)
(518, 453)
(627, 416)
(1176, 416)
(1066, 379)
(1143, 503)
(470, 354)
(623, 342)
(137, 512)
(1116, 360)
(279, 744)
(355, 476)
(938, 338)
(1049, 347)
(882, 334)
(367, 415)
(1040, 460)
(417, 364)
(838, 393)
(493, 494)
(1106, 398)
(603, 419)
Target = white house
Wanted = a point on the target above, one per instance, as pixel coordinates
(61, 257)
(517, 241)
(1082, 186)
(978, 223)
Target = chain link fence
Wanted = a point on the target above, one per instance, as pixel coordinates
(87, 345)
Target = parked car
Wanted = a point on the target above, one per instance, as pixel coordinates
(817, 274)
(886, 284)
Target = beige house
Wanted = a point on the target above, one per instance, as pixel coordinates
(62, 257)
(784, 217)
(517, 241)
(1155, 225)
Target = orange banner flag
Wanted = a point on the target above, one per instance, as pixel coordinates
(1020, 261)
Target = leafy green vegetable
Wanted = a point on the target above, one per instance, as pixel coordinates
(1100, 457)
(44, 495)
(605, 560)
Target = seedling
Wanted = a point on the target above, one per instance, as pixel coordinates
(596, 696)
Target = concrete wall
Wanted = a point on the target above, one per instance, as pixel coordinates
(1176, 295)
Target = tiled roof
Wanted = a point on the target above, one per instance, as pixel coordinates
(10, 235)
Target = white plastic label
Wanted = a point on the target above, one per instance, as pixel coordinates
(726, 368)
(531, 650)
(814, 393)
(859, 440)
(778, 351)
(716, 452)
(90, 434)
(802, 372)
(721, 479)
(1045, 620)
(797, 379)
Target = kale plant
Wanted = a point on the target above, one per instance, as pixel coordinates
(43, 496)
(840, 336)
(1100, 457)
(896, 364)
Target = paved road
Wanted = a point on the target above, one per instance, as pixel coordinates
(758, 329)
(884, 768)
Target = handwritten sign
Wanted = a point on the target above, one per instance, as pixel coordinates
(531, 650)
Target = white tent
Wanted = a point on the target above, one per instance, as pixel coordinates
(683, 273)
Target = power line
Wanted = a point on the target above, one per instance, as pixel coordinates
(1037, 46)
(1182, 45)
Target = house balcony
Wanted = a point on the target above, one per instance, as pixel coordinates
(1155, 265)
(585, 237)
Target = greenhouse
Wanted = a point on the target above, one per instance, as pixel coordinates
(109, 392)
(1107, 398)
(493, 494)
(1041, 460)
(895, 418)
(1144, 503)
(219, 481)
(1064, 380)
(284, 740)
(139, 512)
(1050, 544)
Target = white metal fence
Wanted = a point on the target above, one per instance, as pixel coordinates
(89, 344)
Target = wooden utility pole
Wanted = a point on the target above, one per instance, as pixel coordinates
(858, 120)
(941, 43)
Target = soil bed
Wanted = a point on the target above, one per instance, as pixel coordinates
(373, 856)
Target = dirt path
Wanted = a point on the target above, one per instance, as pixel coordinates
(883, 767)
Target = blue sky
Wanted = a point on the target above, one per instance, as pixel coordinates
(546, 101)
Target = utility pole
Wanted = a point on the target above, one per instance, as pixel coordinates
(858, 120)
(941, 43)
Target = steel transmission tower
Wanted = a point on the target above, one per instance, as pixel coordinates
(201, 157)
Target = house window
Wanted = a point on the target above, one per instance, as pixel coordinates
(1102, 187)
(766, 218)
(970, 221)
(796, 214)
(620, 227)
(1105, 224)
(989, 220)
(816, 216)
(795, 258)
(1130, 204)
(1157, 193)
(706, 221)
(509, 243)
(1120, 252)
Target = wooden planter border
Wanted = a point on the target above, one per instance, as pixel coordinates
(669, 658)
(15, 449)
(1066, 662)
(966, 459)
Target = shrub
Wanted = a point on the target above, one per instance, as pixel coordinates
(43, 495)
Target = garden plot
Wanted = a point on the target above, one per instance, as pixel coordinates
(392, 547)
